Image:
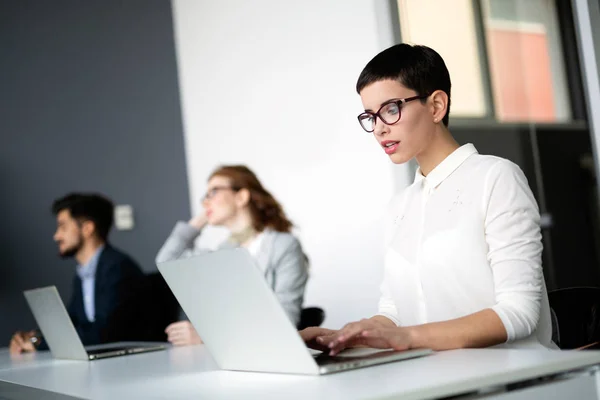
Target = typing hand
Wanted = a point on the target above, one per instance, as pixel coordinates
(371, 332)
(182, 333)
(313, 336)
(22, 342)
(388, 338)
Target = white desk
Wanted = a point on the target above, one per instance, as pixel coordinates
(190, 373)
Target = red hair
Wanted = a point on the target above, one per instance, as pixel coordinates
(265, 211)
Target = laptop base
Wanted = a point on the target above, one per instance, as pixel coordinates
(117, 351)
(331, 364)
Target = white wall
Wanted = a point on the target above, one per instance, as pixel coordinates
(270, 84)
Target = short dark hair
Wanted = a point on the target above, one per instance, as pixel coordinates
(88, 206)
(416, 67)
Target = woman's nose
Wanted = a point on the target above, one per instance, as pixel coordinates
(380, 128)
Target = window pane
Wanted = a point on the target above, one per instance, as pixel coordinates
(526, 62)
(449, 28)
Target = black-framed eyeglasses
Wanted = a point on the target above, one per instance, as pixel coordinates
(213, 191)
(389, 113)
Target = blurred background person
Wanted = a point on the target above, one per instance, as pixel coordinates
(237, 200)
(104, 275)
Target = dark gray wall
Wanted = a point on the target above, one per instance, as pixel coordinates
(570, 256)
(89, 100)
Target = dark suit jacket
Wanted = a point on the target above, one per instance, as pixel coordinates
(117, 276)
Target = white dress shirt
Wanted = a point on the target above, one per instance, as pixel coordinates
(463, 239)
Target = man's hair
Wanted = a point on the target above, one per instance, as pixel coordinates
(416, 67)
(88, 207)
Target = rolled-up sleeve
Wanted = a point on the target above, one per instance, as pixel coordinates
(512, 231)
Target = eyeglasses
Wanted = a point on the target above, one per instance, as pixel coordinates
(213, 191)
(389, 113)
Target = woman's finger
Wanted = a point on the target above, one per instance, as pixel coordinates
(176, 336)
(177, 342)
(326, 339)
(172, 327)
(348, 333)
(313, 332)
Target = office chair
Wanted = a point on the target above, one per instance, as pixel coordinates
(146, 312)
(575, 316)
(160, 309)
(311, 316)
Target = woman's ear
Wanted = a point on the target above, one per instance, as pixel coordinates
(242, 197)
(439, 101)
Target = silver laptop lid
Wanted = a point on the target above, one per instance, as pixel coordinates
(55, 323)
(236, 314)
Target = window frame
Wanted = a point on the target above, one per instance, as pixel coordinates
(571, 54)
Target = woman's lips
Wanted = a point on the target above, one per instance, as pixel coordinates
(390, 146)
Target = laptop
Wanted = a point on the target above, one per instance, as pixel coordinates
(60, 334)
(242, 324)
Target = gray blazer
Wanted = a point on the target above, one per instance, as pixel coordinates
(280, 257)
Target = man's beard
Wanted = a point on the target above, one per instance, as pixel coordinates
(71, 251)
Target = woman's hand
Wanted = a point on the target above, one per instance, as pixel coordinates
(388, 338)
(199, 221)
(182, 333)
(359, 334)
(313, 336)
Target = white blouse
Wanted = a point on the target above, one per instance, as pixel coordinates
(463, 239)
(255, 245)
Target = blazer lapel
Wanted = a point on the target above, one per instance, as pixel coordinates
(100, 276)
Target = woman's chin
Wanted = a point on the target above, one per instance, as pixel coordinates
(399, 158)
(213, 221)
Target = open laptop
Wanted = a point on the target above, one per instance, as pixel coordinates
(60, 334)
(242, 323)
